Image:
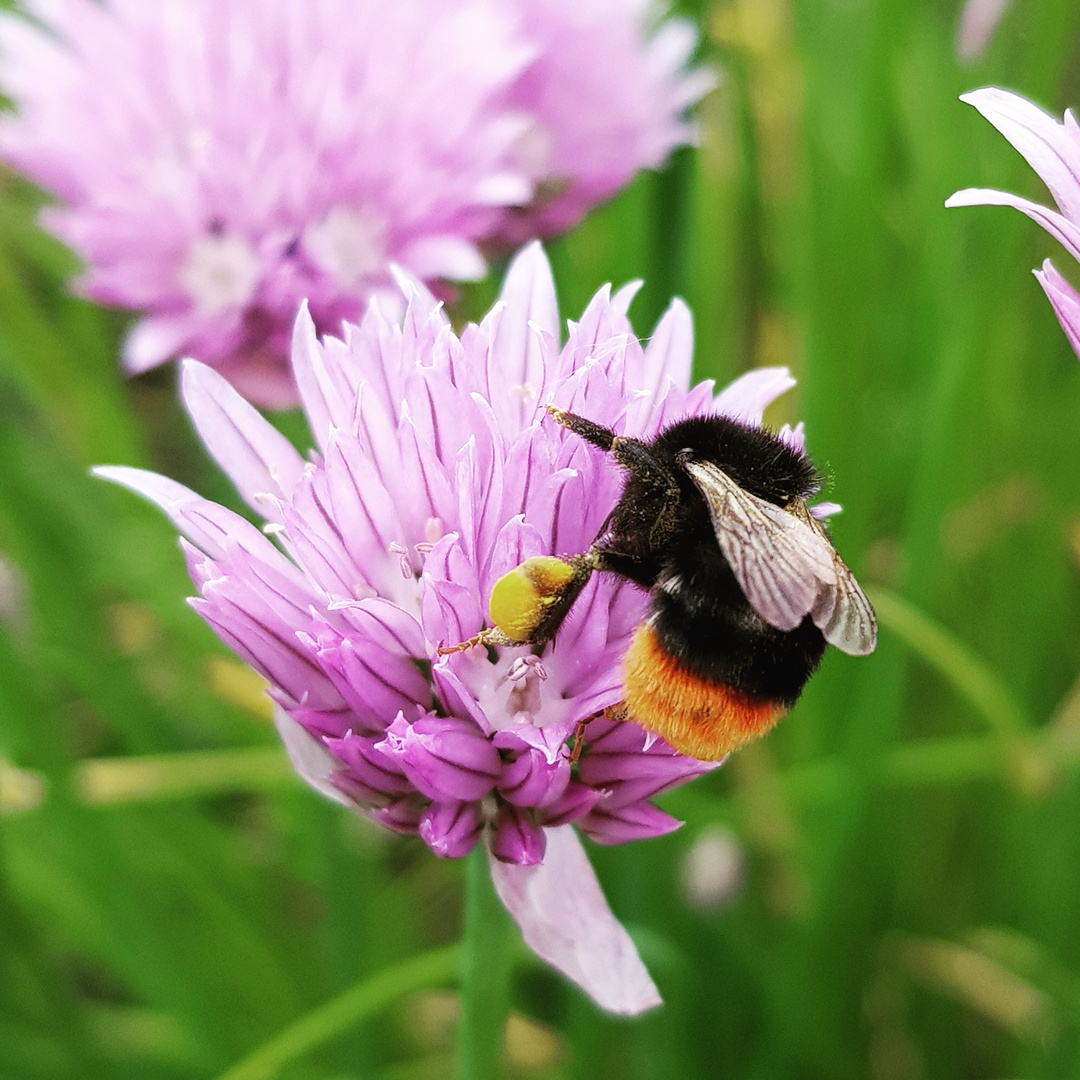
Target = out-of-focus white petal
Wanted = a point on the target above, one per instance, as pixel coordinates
(445, 257)
(153, 341)
(565, 919)
(975, 28)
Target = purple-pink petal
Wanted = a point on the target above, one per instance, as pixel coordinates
(748, 396)
(313, 762)
(532, 780)
(608, 824)
(1065, 301)
(369, 766)
(279, 657)
(402, 815)
(565, 919)
(574, 803)
(326, 391)
(516, 837)
(445, 758)
(451, 829)
(670, 349)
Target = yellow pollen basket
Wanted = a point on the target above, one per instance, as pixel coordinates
(521, 598)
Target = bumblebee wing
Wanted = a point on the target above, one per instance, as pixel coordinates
(842, 612)
(781, 563)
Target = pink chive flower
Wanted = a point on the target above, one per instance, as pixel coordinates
(216, 162)
(1052, 149)
(436, 471)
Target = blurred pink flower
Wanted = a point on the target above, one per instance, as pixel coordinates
(975, 28)
(436, 473)
(218, 161)
(1052, 149)
(606, 100)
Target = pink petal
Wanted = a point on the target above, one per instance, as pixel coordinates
(1044, 142)
(529, 312)
(1065, 301)
(1059, 227)
(258, 459)
(624, 297)
(978, 21)
(746, 398)
(206, 524)
(444, 256)
(325, 392)
(566, 921)
(670, 351)
(314, 764)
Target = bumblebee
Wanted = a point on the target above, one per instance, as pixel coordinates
(746, 588)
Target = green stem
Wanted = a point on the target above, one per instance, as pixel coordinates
(968, 673)
(186, 774)
(341, 1013)
(485, 975)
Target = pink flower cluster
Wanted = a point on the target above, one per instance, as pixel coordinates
(216, 162)
(436, 472)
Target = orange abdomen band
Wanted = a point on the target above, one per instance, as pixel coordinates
(699, 718)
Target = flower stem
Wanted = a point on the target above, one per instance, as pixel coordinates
(331, 1019)
(969, 674)
(485, 975)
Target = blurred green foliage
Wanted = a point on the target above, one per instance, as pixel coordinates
(909, 838)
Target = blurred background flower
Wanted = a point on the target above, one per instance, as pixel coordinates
(215, 162)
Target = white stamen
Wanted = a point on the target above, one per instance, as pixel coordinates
(525, 667)
(347, 244)
(532, 151)
(402, 551)
(219, 272)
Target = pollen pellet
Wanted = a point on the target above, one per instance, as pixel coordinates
(521, 598)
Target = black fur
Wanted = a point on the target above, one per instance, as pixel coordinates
(660, 536)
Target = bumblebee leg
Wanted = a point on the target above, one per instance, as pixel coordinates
(630, 453)
(579, 736)
(642, 570)
(590, 432)
(646, 467)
